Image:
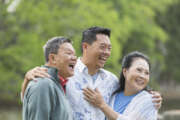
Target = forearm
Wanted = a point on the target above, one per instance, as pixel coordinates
(23, 87)
(109, 112)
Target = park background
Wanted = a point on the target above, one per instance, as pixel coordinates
(148, 26)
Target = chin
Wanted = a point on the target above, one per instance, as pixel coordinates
(100, 66)
(71, 74)
(139, 89)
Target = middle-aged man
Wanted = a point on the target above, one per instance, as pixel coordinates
(89, 72)
(44, 98)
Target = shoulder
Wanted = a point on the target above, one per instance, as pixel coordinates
(142, 98)
(109, 74)
(142, 106)
(145, 95)
(144, 101)
(40, 85)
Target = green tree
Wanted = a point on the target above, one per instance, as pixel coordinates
(169, 21)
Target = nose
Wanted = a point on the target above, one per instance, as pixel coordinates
(143, 76)
(107, 51)
(74, 57)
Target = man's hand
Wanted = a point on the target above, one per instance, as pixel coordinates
(30, 75)
(36, 72)
(157, 99)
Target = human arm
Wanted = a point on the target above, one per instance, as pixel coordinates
(30, 75)
(95, 98)
(138, 109)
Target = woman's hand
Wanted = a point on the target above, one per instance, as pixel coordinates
(94, 97)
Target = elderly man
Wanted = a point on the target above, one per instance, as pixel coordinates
(89, 72)
(44, 98)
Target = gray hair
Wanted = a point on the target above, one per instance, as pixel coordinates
(52, 46)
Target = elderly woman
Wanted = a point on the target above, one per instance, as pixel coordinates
(131, 101)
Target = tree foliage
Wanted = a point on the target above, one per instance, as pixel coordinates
(169, 21)
(24, 32)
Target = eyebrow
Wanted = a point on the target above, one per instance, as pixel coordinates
(105, 44)
(144, 69)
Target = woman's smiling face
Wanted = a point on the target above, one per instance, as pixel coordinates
(137, 75)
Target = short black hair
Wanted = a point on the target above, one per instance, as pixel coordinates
(53, 44)
(89, 35)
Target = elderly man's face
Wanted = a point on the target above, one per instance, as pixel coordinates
(65, 60)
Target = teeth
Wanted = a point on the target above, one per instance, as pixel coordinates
(72, 66)
(140, 82)
(102, 58)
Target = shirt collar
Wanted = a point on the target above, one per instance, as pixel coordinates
(62, 82)
(83, 68)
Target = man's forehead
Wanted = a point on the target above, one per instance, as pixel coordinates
(101, 38)
(66, 46)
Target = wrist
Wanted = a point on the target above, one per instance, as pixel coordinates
(102, 105)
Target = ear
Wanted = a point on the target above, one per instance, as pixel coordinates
(52, 58)
(84, 46)
(124, 71)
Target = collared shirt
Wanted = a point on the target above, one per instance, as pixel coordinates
(62, 82)
(106, 82)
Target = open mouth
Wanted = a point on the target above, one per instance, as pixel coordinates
(140, 82)
(103, 58)
(71, 66)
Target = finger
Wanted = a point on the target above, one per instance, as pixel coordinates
(86, 91)
(96, 90)
(157, 100)
(41, 69)
(89, 100)
(42, 74)
(152, 92)
(156, 96)
(88, 96)
(157, 106)
(90, 90)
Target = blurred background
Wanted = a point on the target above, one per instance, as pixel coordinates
(148, 26)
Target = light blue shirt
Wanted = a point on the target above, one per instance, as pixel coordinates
(105, 81)
(121, 102)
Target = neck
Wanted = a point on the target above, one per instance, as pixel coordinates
(50, 65)
(128, 91)
(59, 73)
(91, 68)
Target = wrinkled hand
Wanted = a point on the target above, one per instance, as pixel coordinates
(36, 72)
(94, 97)
(157, 99)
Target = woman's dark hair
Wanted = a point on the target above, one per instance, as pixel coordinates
(126, 63)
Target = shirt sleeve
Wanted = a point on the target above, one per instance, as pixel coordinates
(40, 101)
(142, 109)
